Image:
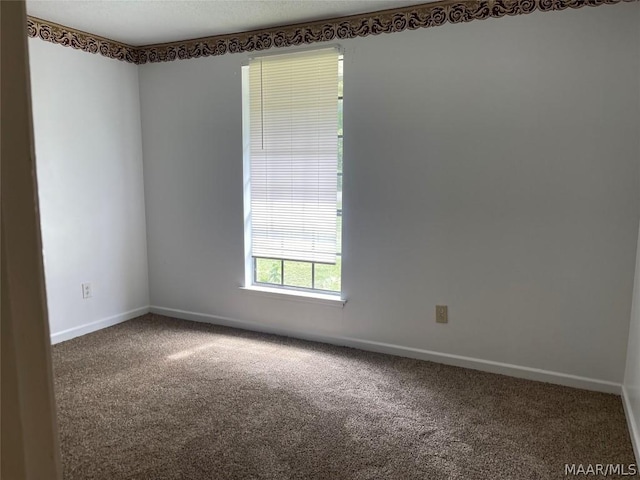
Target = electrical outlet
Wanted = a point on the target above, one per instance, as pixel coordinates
(87, 291)
(442, 314)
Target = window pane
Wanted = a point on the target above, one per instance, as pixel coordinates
(328, 276)
(339, 235)
(297, 274)
(268, 271)
(340, 78)
(340, 154)
(340, 117)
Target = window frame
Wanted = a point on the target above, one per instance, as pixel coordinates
(251, 270)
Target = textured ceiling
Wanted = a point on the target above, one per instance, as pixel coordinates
(141, 22)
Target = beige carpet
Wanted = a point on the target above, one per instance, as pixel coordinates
(157, 398)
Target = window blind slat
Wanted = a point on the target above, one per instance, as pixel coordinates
(294, 155)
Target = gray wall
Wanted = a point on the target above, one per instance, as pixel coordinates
(86, 118)
(632, 374)
(490, 166)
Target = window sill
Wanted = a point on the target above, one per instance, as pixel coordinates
(297, 296)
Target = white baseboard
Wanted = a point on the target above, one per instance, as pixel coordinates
(632, 422)
(97, 325)
(398, 350)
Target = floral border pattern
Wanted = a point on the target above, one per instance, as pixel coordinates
(386, 21)
(87, 42)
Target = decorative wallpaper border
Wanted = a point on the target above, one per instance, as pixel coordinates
(87, 42)
(385, 21)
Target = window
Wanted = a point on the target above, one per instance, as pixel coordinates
(292, 128)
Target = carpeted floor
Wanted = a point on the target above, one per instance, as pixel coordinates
(157, 398)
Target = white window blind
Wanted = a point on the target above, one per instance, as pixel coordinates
(293, 155)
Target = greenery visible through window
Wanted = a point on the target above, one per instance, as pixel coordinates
(310, 275)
